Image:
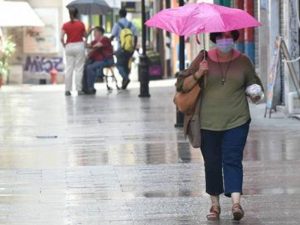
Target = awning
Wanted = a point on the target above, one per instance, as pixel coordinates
(115, 4)
(18, 14)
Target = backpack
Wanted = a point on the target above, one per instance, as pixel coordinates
(126, 38)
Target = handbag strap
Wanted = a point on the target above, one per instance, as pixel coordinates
(189, 71)
(194, 65)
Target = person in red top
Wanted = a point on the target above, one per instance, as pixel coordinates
(101, 56)
(74, 45)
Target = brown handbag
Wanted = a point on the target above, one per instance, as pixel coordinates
(186, 101)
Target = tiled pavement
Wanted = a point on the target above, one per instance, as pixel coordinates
(117, 159)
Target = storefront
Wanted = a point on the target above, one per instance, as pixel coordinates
(279, 18)
(39, 49)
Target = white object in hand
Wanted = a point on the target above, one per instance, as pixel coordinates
(254, 90)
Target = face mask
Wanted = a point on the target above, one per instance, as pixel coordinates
(225, 45)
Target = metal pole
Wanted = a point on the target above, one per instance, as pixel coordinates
(181, 46)
(180, 115)
(143, 27)
(168, 47)
(143, 66)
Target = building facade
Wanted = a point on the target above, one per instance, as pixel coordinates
(39, 49)
(281, 18)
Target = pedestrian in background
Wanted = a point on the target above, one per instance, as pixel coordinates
(126, 35)
(99, 57)
(224, 115)
(75, 51)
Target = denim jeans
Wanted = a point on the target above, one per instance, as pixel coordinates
(123, 63)
(94, 67)
(223, 154)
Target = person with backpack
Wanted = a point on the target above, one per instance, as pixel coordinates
(126, 34)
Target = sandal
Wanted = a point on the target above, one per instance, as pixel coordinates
(237, 212)
(214, 213)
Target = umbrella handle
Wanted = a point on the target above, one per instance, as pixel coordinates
(199, 43)
(197, 40)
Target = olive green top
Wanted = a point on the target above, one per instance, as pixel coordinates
(225, 106)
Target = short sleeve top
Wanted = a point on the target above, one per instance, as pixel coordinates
(75, 31)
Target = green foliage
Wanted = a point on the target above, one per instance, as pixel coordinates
(138, 24)
(8, 48)
(3, 68)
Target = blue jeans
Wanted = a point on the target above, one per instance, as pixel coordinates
(94, 67)
(123, 71)
(122, 64)
(223, 154)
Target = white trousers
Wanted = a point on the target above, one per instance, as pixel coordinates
(75, 58)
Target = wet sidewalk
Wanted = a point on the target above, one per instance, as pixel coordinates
(117, 159)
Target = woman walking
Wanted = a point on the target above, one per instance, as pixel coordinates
(224, 117)
(75, 51)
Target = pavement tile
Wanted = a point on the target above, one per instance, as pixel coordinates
(116, 159)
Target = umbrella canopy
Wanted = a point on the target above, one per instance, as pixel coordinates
(90, 7)
(199, 18)
(18, 14)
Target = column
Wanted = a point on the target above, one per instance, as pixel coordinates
(180, 115)
(143, 66)
(240, 45)
(249, 32)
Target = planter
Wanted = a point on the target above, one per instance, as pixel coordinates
(7, 50)
(154, 65)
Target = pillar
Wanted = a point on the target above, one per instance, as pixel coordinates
(224, 2)
(249, 32)
(180, 115)
(240, 45)
(143, 66)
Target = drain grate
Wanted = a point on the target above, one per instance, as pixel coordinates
(46, 136)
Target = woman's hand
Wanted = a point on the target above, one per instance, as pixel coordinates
(255, 99)
(203, 69)
(255, 93)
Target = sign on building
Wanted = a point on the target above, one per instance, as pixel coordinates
(45, 39)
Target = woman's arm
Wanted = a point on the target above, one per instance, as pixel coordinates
(190, 81)
(188, 78)
(85, 36)
(252, 78)
(62, 37)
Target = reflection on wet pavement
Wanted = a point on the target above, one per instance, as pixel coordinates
(117, 159)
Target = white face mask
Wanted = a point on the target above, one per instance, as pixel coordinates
(225, 45)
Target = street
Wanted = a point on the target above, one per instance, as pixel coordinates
(116, 159)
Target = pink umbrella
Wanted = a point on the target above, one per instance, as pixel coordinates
(196, 18)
